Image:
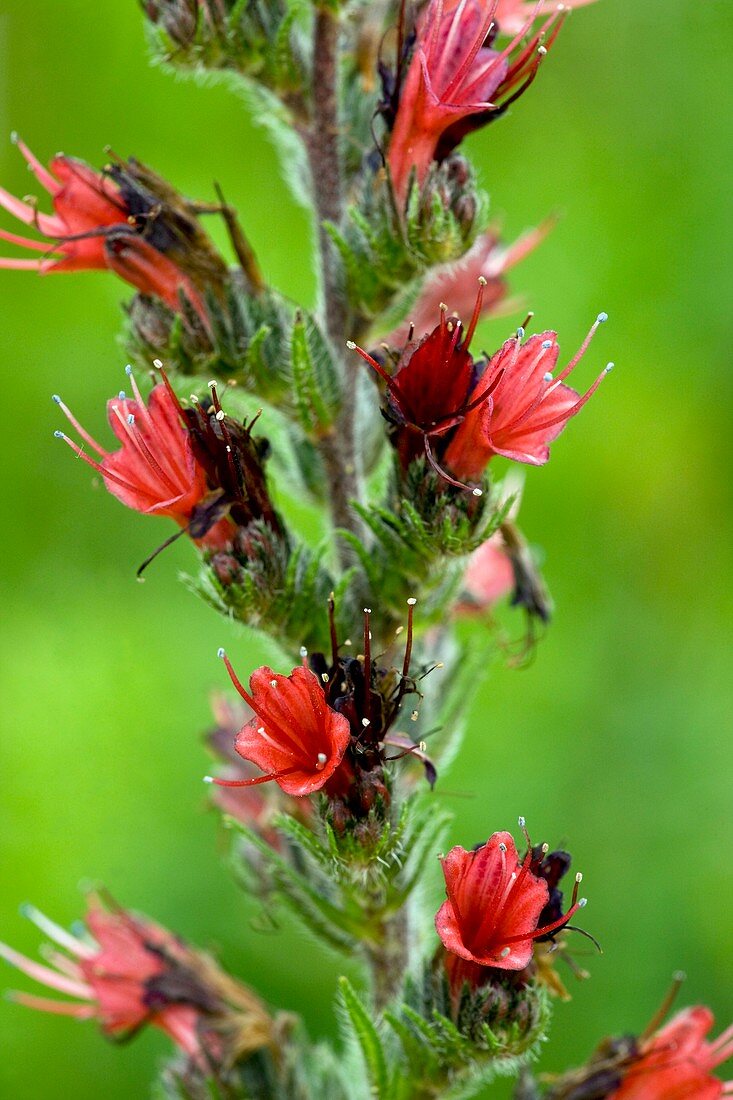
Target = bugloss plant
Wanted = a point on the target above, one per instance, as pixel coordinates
(328, 769)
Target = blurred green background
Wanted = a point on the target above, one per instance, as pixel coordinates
(616, 740)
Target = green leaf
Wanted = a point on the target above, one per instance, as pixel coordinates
(368, 1038)
(315, 379)
(306, 840)
(325, 920)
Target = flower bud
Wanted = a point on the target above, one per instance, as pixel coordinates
(178, 18)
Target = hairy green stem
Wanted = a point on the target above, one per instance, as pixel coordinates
(387, 959)
(339, 451)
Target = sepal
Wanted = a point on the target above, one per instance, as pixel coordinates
(296, 1068)
(344, 883)
(420, 540)
(270, 584)
(245, 341)
(464, 1047)
(385, 250)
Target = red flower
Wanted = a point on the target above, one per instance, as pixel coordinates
(526, 405)
(452, 78)
(494, 904)
(454, 283)
(295, 737)
(253, 806)
(433, 388)
(677, 1063)
(511, 16)
(97, 225)
(155, 471)
(129, 972)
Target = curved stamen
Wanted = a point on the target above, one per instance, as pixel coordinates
(236, 681)
(473, 489)
(159, 550)
(544, 931)
(249, 782)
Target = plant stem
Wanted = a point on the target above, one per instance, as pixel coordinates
(388, 959)
(324, 156)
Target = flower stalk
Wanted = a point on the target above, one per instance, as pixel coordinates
(323, 145)
(390, 423)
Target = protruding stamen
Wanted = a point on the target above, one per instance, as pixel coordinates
(371, 361)
(568, 413)
(368, 663)
(523, 826)
(55, 932)
(678, 979)
(248, 782)
(78, 428)
(332, 630)
(321, 760)
(139, 442)
(235, 679)
(600, 319)
(44, 974)
(80, 453)
(476, 316)
(408, 643)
